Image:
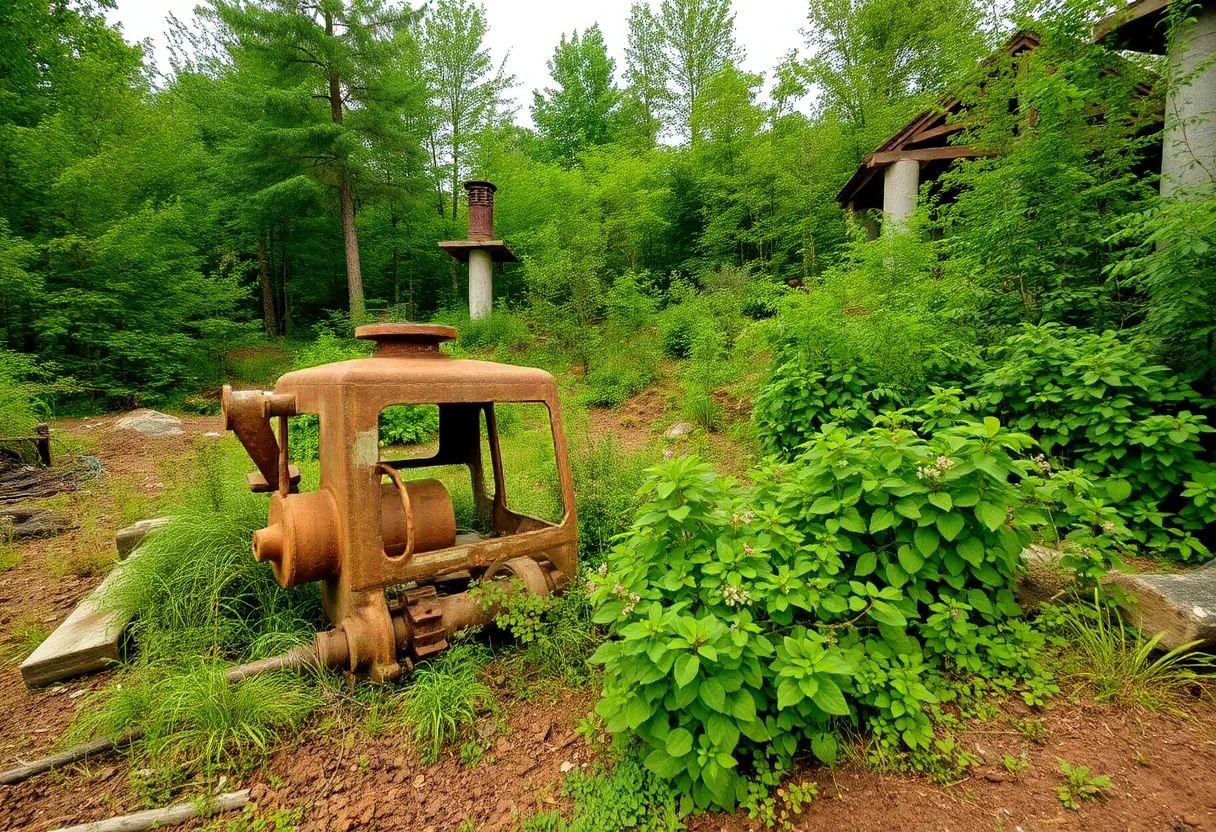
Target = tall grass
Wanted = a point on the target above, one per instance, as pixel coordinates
(194, 588)
(195, 721)
(445, 697)
(1121, 665)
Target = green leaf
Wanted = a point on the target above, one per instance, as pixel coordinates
(663, 764)
(950, 524)
(941, 499)
(679, 742)
(990, 514)
(637, 711)
(829, 698)
(866, 562)
(824, 747)
(881, 519)
(788, 694)
(1118, 489)
(909, 559)
(824, 505)
(926, 540)
(971, 550)
(743, 706)
(608, 613)
(884, 613)
(713, 694)
(992, 425)
(687, 665)
(678, 514)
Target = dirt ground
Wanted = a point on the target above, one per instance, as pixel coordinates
(335, 777)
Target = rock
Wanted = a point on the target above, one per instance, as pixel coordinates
(679, 429)
(32, 521)
(1180, 606)
(567, 767)
(125, 540)
(1042, 577)
(151, 423)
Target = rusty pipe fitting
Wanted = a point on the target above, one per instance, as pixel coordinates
(301, 539)
(247, 413)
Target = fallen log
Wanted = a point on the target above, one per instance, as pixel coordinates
(157, 818)
(65, 758)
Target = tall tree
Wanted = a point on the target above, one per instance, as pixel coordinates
(337, 53)
(646, 68)
(699, 38)
(877, 62)
(578, 112)
(464, 86)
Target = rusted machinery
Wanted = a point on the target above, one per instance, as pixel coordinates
(384, 546)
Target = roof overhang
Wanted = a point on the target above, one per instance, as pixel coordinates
(499, 251)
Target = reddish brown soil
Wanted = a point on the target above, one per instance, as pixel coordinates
(1163, 768)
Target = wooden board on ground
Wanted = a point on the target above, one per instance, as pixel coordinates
(87, 641)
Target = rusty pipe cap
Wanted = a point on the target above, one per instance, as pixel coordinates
(406, 339)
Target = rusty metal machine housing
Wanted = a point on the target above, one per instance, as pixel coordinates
(368, 528)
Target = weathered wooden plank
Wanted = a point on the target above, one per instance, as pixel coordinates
(87, 641)
(169, 816)
(125, 540)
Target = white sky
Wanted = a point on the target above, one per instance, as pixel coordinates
(531, 29)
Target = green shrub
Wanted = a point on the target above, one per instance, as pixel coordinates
(838, 588)
(1099, 402)
(500, 330)
(25, 388)
(606, 481)
(408, 424)
(629, 368)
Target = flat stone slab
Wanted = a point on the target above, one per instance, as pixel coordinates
(125, 540)
(1181, 606)
(87, 641)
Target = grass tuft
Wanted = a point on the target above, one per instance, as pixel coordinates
(1121, 666)
(445, 697)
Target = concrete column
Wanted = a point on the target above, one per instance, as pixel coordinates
(481, 284)
(1188, 158)
(900, 186)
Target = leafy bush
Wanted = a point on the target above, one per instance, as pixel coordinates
(500, 330)
(1099, 401)
(617, 374)
(841, 588)
(20, 408)
(606, 481)
(408, 424)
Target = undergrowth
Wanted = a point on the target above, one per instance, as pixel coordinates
(445, 697)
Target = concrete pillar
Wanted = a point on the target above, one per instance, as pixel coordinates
(900, 186)
(481, 283)
(1188, 158)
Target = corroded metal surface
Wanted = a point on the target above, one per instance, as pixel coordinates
(369, 526)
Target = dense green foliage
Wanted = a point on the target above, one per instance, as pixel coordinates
(842, 588)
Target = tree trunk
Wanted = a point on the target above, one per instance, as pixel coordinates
(346, 197)
(354, 279)
(268, 316)
(283, 283)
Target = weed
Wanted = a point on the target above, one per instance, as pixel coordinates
(1032, 730)
(364, 763)
(774, 804)
(625, 796)
(195, 590)
(471, 753)
(445, 696)
(10, 556)
(606, 483)
(1014, 764)
(1119, 664)
(1079, 786)
(250, 820)
(195, 721)
(23, 638)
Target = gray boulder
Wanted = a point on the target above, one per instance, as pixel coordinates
(19, 522)
(150, 422)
